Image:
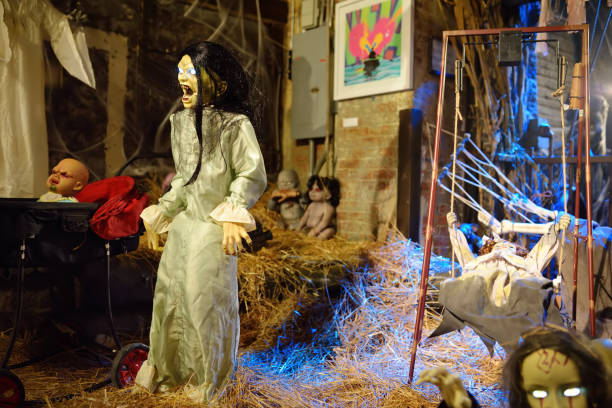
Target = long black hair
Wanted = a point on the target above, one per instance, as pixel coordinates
(224, 71)
(330, 184)
(590, 367)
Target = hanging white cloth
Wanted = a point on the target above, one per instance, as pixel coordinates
(24, 153)
(502, 267)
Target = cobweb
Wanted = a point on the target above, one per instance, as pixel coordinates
(156, 32)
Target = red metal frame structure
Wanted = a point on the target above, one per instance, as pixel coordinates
(418, 327)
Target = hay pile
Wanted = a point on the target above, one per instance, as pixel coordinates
(301, 347)
(283, 285)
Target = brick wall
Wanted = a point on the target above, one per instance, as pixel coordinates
(367, 155)
(367, 163)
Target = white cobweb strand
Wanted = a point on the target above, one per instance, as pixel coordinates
(476, 168)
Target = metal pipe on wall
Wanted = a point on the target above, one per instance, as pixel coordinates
(311, 156)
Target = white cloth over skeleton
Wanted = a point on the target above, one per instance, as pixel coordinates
(24, 158)
(501, 266)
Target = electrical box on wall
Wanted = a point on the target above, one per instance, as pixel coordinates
(310, 83)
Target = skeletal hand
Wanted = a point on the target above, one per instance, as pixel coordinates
(564, 222)
(232, 238)
(450, 386)
(451, 218)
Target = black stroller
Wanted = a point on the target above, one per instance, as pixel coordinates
(37, 234)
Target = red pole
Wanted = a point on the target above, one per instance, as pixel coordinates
(587, 148)
(577, 212)
(418, 326)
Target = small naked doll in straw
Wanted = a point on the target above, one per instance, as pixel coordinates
(323, 196)
(502, 289)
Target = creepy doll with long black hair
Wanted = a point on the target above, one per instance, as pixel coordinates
(219, 175)
(322, 200)
(551, 368)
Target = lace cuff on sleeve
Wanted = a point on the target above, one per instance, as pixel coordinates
(228, 212)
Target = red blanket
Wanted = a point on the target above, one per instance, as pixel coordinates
(121, 205)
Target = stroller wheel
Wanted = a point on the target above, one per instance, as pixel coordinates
(127, 363)
(12, 393)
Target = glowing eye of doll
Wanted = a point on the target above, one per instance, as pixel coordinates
(572, 392)
(190, 71)
(539, 394)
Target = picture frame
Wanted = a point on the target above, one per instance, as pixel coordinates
(373, 47)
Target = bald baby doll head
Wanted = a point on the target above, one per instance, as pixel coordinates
(68, 177)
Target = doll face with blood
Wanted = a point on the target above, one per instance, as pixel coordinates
(551, 380)
(188, 81)
(318, 194)
(68, 177)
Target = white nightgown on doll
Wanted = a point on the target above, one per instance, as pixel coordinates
(499, 294)
(195, 326)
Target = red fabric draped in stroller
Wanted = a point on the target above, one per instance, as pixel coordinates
(121, 204)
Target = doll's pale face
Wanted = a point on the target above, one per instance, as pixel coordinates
(68, 177)
(188, 81)
(317, 193)
(504, 246)
(552, 380)
(287, 180)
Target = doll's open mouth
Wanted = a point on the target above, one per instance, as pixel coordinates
(187, 91)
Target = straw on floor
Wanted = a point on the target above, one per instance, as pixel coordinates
(324, 324)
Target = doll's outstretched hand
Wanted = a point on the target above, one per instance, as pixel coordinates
(282, 195)
(232, 238)
(449, 384)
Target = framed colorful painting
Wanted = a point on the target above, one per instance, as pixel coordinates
(373, 47)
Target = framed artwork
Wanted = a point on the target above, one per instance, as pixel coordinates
(373, 47)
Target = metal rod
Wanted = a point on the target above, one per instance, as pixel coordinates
(19, 311)
(495, 31)
(570, 160)
(587, 171)
(577, 217)
(311, 156)
(109, 310)
(418, 326)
